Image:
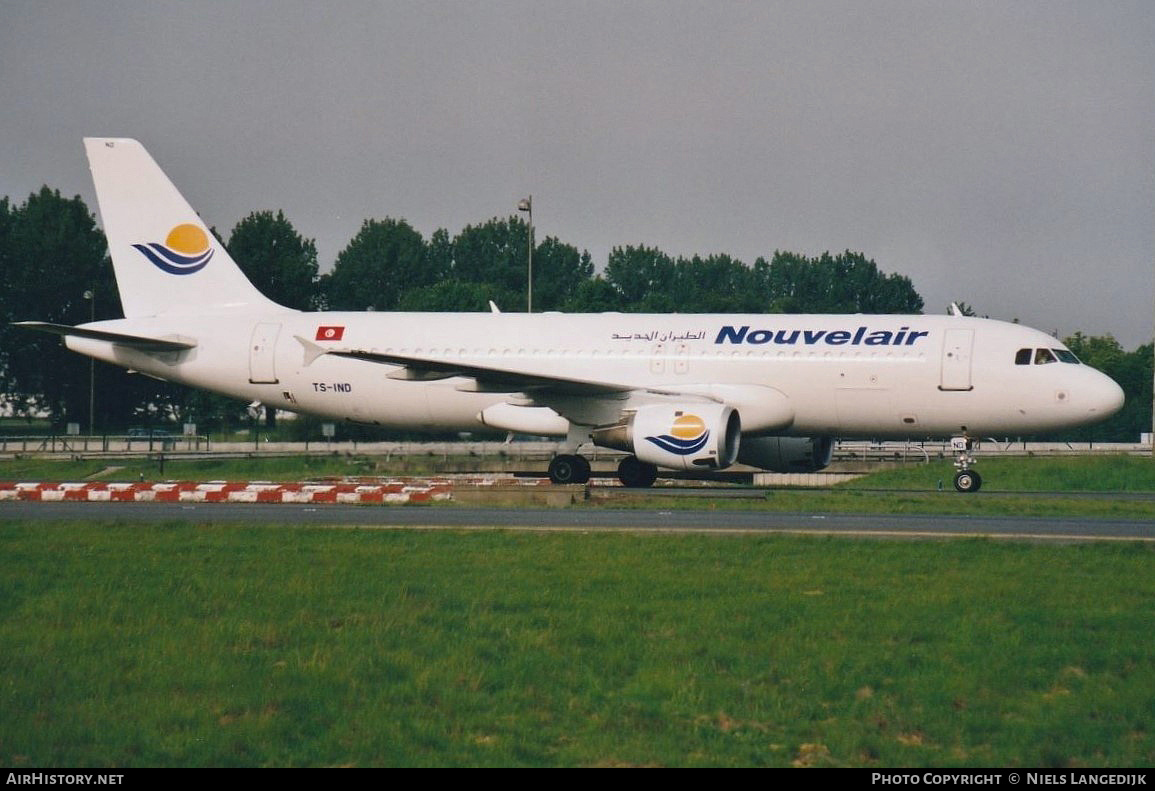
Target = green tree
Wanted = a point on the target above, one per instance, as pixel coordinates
(52, 255)
(278, 261)
(558, 272)
(210, 412)
(1135, 375)
(383, 261)
(846, 283)
(596, 295)
(492, 258)
(1102, 352)
(454, 296)
(716, 284)
(1132, 371)
(439, 255)
(643, 277)
(7, 302)
(495, 254)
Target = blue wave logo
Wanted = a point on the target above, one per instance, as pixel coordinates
(185, 250)
(687, 435)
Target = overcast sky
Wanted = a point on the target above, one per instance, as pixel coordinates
(1000, 153)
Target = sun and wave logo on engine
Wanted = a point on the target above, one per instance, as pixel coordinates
(688, 434)
(185, 250)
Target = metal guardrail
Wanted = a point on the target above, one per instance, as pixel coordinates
(104, 443)
(844, 451)
(924, 452)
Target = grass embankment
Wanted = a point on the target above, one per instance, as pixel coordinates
(180, 645)
(1009, 487)
(1073, 487)
(1070, 487)
(1091, 473)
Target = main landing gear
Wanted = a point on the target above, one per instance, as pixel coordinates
(965, 480)
(572, 468)
(636, 474)
(569, 468)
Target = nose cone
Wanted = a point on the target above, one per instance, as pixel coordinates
(1105, 398)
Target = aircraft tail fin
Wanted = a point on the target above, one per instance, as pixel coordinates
(165, 259)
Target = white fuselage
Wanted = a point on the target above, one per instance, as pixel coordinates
(841, 375)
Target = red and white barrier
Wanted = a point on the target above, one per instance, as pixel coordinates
(392, 492)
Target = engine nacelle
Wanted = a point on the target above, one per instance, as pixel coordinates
(787, 454)
(701, 436)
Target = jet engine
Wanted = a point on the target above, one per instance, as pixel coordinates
(700, 436)
(787, 454)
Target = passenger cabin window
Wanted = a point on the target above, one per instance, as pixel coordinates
(1023, 356)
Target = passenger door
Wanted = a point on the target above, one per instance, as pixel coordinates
(956, 359)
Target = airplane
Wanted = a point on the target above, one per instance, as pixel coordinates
(687, 392)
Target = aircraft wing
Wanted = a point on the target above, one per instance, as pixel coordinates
(488, 378)
(141, 342)
(588, 401)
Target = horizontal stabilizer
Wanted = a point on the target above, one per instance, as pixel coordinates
(140, 342)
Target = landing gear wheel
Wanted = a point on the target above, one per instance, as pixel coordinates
(564, 469)
(967, 481)
(636, 474)
(567, 468)
(583, 469)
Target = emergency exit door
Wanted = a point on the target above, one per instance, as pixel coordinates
(262, 354)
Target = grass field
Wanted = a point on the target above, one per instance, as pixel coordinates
(190, 646)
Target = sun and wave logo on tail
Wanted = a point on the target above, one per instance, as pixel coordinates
(185, 250)
(688, 434)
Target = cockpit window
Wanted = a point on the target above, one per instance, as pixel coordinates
(1045, 356)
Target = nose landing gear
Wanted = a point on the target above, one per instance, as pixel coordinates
(965, 480)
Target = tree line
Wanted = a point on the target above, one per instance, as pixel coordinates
(54, 267)
(388, 265)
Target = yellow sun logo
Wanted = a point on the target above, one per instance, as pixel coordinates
(185, 250)
(688, 427)
(187, 239)
(688, 434)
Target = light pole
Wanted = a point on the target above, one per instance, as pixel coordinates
(526, 205)
(90, 295)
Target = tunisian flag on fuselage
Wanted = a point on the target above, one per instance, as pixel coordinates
(330, 333)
